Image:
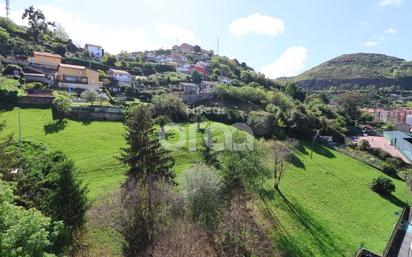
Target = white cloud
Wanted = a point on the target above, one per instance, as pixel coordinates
(370, 43)
(113, 39)
(391, 31)
(174, 32)
(290, 63)
(257, 24)
(384, 3)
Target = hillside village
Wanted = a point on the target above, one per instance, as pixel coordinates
(343, 153)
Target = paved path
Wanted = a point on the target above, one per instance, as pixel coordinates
(380, 142)
(406, 250)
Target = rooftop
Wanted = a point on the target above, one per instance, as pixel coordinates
(70, 66)
(120, 71)
(47, 54)
(92, 45)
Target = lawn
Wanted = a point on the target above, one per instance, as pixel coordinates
(95, 146)
(327, 209)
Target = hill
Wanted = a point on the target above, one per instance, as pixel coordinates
(361, 69)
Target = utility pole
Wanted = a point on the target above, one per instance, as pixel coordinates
(218, 47)
(19, 127)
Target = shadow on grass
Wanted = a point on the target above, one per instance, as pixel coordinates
(295, 161)
(55, 127)
(327, 244)
(307, 147)
(395, 200)
(86, 122)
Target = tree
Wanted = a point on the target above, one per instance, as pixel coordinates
(102, 98)
(49, 184)
(90, 96)
(196, 77)
(61, 105)
(25, 232)
(197, 49)
(37, 23)
(60, 32)
(203, 196)
(209, 155)
(244, 169)
(349, 103)
(162, 120)
(109, 60)
(148, 163)
(383, 186)
(280, 153)
(171, 106)
(68, 202)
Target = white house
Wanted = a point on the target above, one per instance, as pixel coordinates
(120, 75)
(94, 51)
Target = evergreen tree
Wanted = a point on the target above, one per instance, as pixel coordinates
(148, 162)
(68, 199)
(209, 155)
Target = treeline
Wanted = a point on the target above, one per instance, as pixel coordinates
(42, 203)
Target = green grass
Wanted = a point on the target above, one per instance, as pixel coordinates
(327, 209)
(93, 146)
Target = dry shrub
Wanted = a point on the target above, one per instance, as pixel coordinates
(182, 238)
(239, 234)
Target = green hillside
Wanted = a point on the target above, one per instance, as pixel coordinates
(326, 209)
(359, 68)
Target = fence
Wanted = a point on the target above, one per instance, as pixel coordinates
(396, 239)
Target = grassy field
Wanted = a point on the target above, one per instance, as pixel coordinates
(325, 209)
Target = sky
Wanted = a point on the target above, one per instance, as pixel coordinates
(276, 37)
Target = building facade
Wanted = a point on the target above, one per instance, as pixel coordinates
(77, 77)
(94, 51)
(45, 60)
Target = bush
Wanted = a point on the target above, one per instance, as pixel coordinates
(364, 145)
(203, 195)
(389, 169)
(383, 186)
(13, 70)
(171, 106)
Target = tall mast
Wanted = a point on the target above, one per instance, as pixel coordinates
(8, 9)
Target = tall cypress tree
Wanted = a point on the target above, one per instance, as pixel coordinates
(148, 163)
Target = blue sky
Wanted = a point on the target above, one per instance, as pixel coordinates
(277, 37)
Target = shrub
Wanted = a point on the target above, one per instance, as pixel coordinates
(203, 195)
(364, 145)
(13, 70)
(383, 186)
(170, 105)
(389, 169)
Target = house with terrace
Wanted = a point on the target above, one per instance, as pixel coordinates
(120, 75)
(77, 77)
(45, 60)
